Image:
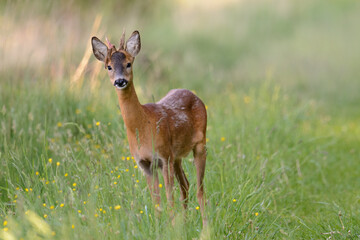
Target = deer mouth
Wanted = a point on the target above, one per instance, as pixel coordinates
(121, 83)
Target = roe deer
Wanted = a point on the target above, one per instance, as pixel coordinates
(159, 134)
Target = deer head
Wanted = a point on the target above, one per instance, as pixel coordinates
(118, 62)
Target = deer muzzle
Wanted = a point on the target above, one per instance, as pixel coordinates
(120, 83)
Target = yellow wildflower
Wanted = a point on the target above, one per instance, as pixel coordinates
(66, 174)
(234, 200)
(160, 185)
(117, 207)
(5, 223)
(197, 208)
(58, 164)
(50, 160)
(62, 205)
(37, 173)
(97, 123)
(59, 124)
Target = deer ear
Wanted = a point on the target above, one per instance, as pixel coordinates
(133, 44)
(100, 50)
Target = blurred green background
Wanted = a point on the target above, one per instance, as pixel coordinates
(281, 81)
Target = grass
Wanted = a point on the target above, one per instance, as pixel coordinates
(281, 86)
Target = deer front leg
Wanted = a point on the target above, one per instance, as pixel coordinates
(153, 184)
(168, 174)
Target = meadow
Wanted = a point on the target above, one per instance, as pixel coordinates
(280, 80)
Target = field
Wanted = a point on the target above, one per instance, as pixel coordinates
(281, 83)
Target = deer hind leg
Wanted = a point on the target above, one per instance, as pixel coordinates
(200, 162)
(183, 182)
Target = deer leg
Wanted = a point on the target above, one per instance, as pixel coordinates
(183, 182)
(200, 162)
(168, 174)
(153, 184)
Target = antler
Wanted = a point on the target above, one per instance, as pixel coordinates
(109, 43)
(122, 41)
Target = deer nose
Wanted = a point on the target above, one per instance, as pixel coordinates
(120, 83)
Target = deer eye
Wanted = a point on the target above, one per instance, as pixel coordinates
(128, 65)
(109, 68)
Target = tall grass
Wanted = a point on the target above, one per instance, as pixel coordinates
(280, 85)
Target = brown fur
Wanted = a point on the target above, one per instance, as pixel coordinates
(160, 134)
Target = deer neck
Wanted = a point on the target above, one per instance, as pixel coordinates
(131, 110)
